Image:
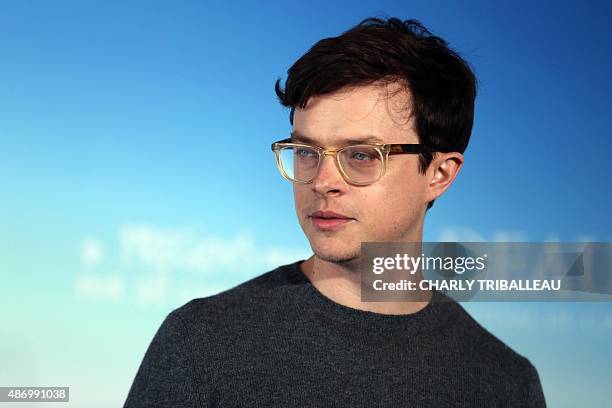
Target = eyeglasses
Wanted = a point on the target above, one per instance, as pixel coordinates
(360, 164)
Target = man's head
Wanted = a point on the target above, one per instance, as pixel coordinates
(394, 81)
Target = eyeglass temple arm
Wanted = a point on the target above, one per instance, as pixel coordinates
(416, 148)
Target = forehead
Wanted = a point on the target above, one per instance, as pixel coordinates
(373, 113)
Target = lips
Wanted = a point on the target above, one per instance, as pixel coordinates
(329, 214)
(329, 220)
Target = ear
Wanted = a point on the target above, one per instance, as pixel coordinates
(442, 172)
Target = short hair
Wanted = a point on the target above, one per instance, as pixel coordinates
(441, 83)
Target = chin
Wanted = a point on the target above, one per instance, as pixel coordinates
(338, 255)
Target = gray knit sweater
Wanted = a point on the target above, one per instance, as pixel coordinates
(275, 340)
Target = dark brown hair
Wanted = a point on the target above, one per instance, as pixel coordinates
(442, 85)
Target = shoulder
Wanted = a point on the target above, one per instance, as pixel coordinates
(486, 353)
(252, 297)
(482, 346)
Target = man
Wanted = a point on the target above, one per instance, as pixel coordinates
(381, 116)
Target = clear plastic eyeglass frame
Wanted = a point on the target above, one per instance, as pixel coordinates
(384, 150)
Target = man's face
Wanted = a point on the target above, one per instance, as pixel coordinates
(391, 209)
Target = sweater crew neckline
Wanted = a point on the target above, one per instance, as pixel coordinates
(431, 317)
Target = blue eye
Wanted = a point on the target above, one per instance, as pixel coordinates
(301, 152)
(362, 156)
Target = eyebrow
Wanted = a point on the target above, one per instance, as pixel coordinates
(296, 136)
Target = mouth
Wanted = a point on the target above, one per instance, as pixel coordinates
(329, 220)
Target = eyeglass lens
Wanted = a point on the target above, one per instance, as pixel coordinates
(361, 164)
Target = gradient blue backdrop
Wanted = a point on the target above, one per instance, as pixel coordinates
(136, 172)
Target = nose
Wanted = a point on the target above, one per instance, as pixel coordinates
(328, 178)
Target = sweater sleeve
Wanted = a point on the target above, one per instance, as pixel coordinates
(166, 376)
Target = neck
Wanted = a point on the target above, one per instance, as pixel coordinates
(342, 284)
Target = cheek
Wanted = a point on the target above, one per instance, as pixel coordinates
(394, 203)
(388, 204)
(300, 198)
(407, 184)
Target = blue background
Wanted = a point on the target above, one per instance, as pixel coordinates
(136, 172)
